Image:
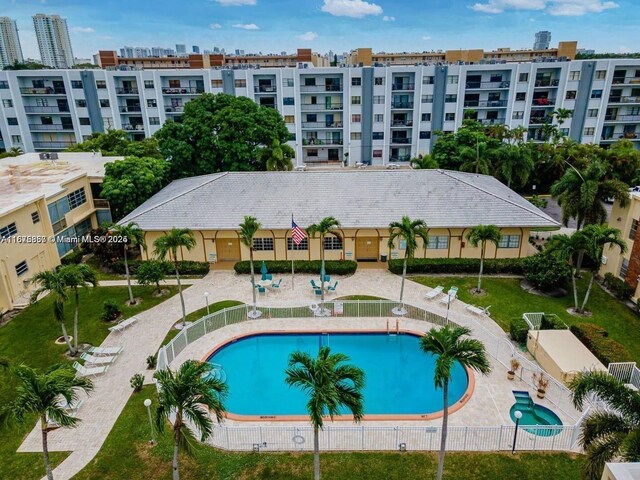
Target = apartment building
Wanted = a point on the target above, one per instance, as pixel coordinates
(374, 115)
(53, 40)
(44, 196)
(10, 48)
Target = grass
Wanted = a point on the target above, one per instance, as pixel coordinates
(29, 338)
(509, 301)
(131, 431)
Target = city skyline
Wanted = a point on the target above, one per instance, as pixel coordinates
(338, 25)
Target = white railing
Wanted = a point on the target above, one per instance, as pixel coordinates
(534, 320)
(626, 372)
(471, 438)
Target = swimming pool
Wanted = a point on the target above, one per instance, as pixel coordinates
(399, 376)
(534, 414)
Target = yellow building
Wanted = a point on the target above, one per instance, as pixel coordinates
(43, 203)
(625, 266)
(364, 202)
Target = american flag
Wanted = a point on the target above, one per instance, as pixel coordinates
(297, 234)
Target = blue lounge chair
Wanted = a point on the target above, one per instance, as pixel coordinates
(262, 290)
(332, 289)
(318, 292)
(327, 278)
(313, 284)
(276, 285)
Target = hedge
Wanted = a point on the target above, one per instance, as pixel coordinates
(332, 267)
(546, 272)
(186, 267)
(617, 286)
(518, 330)
(72, 258)
(597, 340)
(457, 265)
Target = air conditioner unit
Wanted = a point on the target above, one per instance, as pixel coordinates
(603, 260)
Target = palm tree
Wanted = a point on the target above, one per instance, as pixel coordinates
(188, 395)
(515, 163)
(476, 159)
(450, 348)
(248, 230)
(168, 245)
(596, 238)
(480, 235)
(52, 282)
(74, 277)
(330, 385)
(277, 156)
(15, 151)
(408, 230)
(423, 162)
(561, 115)
(612, 433)
(135, 238)
(550, 132)
(42, 394)
(325, 227)
(567, 248)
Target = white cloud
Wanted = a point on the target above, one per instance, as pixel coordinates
(388, 19)
(552, 7)
(426, 37)
(82, 30)
(350, 8)
(247, 26)
(308, 36)
(235, 3)
(214, 26)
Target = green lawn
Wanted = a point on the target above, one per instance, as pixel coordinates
(509, 301)
(131, 434)
(29, 338)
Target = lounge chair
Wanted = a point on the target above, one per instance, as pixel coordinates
(332, 289)
(89, 372)
(313, 284)
(327, 278)
(275, 285)
(88, 358)
(433, 293)
(479, 310)
(123, 324)
(105, 351)
(261, 290)
(450, 296)
(318, 292)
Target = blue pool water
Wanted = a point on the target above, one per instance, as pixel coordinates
(399, 376)
(534, 414)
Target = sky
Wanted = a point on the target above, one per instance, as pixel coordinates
(337, 25)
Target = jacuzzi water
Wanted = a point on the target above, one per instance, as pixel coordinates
(534, 414)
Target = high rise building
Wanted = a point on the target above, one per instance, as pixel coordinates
(10, 49)
(543, 40)
(181, 49)
(135, 52)
(53, 40)
(195, 49)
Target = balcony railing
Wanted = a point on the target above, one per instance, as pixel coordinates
(543, 102)
(624, 99)
(540, 120)
(55, 127)
(397, 104)
(42, 109)
(617, 135)
(547, 82)
(492, 121)
(100, 203)
(622, 118)
(137, 127)
(265, 89)
(314, 107)
(403, 86)
(400, 158)
(43, 91)
(625, 80)
(321, 88)
(321, 124)
(489, 85)
(129, 109)
(182, 90)
(174, 109)
(487, 104)
(402, 123)
(127, 90)
(400, 141)
(321, 142)
(53, 145)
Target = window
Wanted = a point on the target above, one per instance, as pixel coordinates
(377, 136)
(356, 100)
(523, 77)
(4, 84)
(35, 217)
(57, 211)
(451, 98)
(77, 198)
(601, 74)
(289, 119)
(596, 93)
(634, 229)
(378, 99)
(521, 96)
(7, 103)
(574, 75)
(76, 83)
(263, 244)
(154, 120)
(85, 121)
(356, 81)
(623, 268)
(518, 115)
(148, 84)
(571, 95)
(81, 103)
(425, 117)
(451, 79)
(438, 242)
(449, 117)
(12, 121)
(377, 154)
(240, 83)
(151, 102)
(216, 83)
(46, 120)
(427, 99)
(174, 83)
(22, 268)
(424, 134)
(356, 135)
(378, 81)
(8, 230)
(312, 152)
(589, 131)
(101, 84)
(309, 81)
(288, 101)
(303, 245)
(509, 241)
(332, 242)
(356, 118)
(564, 132)
(104, 103)
(288, 82)
(16, 139)
(427, 80)
(378, 118)
(592, 112)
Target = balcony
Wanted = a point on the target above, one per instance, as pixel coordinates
(54, 127)
(400, 140)
(547, 82)
(400, 158)
(492, 121)
(321, 88)
(134, 108)
(625, 80)
(624, 99)
(127, 90)
(617, 135)
(265, 89)
(622, 118)
(53, 145)
(397, 104)
(315, 125)
(43, 91)
(540, 120)
(328, 142)
(402, 123)
(487, 104)
(41, 109)
(100, 203)
(396, 87)
(137, 127)
(182, 90)
(316, 107)
(174, 109)
(543, 102)
(488, 85)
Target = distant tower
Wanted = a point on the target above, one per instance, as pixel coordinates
(543, 40)
(195, 49)
(10, 49)
(53, 40)
(181, 49)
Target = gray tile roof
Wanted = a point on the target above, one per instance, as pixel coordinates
(358, 199)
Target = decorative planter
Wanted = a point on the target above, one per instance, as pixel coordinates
(511, 375)
(541, 393)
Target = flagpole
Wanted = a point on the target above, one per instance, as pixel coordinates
(292, 271)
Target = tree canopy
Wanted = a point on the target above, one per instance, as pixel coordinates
(117, 143)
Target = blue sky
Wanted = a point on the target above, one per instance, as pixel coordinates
(339, 25)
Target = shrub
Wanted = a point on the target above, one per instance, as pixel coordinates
(597, 340)
(551, 323)
(546, 272)
(152, 361)
(186, 267)
(617, 286)
(457, 265)
(137, 382)
(332, 267)
(72, 258)
(110, 310)
(518, 330)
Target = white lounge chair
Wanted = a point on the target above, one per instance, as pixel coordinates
(479, 310)
(450, 296)
(433, 293)
(88, 358)
(109, 351)
(89, 372)
(123, 324)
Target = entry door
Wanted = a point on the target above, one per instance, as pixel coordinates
(228, 249)
(367, 248)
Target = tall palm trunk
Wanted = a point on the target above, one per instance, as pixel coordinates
(176, 447)
(72, 351)
(479, 289)
(575, 290)
(579, 263)
(445, 422)
(322, 274)
(126, 272)
(316, 453)
(586, 296)
(184, 311)
(45, 447)
(253, 282)
(75, 319)
(404, 275)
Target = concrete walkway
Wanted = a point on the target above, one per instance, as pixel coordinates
(112, 390)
